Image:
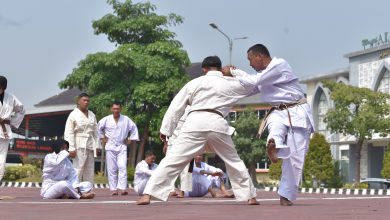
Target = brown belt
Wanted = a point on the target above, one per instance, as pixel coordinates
(279, 107)
(2, 124)
(208, 110)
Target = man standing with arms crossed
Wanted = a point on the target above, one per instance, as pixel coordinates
(11, 114)
(82, 134)
(210, 98)
(289, 121)
(117, 131)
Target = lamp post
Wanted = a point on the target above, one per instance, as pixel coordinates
(230, 40)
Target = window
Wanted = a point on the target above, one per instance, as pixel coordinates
(322, 110)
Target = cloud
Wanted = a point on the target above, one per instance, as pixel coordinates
(13, 23)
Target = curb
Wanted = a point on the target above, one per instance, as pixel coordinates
(39, 185)
(332, 191)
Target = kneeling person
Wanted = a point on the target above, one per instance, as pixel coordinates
(60, 179)
(143, 171)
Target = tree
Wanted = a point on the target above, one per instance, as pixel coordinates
(318, 164)
(249, 147)
(144, 72)
(386, 164)
(359, 112)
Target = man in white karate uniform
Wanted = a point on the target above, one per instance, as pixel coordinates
(60, 180)
(289, 122)
(81, 131)
(116, 131)
(204, 178)
(143, 171)
(210, 98)
(11, 114)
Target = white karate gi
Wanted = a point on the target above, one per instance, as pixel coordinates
(202, 182)
(60, 178)
(116, 149)
(142, 175)
(185, 176)
(212, 91)
(82, 134)
(11, 109)
(278, 84)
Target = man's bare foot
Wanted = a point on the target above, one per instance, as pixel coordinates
(124, 193)
(253, 201)
(171, 194)
(212, 192)
(88, 195)
(285, 202)
(114, 193)
(271, 150)
(228, 195)
(144, 200)
(179, 194)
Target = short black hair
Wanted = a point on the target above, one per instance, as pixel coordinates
(3, 82)
(116, 103)
(259, 49)
(83, 94)
(212, 61)
(66, 143)
(149, 153)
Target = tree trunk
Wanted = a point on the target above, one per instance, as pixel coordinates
(144, 140)
(133, 152)
(358, 156)
(252, 173)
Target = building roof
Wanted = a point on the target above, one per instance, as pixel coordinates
(367, 51)
(316, 77)
(66, 97)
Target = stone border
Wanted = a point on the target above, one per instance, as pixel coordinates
(379, 192)
(39, 185)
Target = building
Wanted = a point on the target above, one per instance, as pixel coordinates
(369, 68)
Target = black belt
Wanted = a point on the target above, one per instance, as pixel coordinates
(208, 110)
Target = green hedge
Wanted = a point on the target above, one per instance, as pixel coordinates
(13, 173)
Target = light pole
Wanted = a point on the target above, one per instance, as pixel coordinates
(230, 40)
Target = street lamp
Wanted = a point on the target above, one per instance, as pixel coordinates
(230, 40)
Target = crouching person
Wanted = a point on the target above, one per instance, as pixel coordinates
(60, 180)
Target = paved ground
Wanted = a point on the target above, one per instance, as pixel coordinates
(28, 205)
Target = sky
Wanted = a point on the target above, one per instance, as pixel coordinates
(41, 41)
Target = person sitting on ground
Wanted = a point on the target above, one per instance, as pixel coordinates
(60, 180)
(143, 171)
(204, 177)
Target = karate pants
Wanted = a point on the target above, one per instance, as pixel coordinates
(139, 189)
(185, 176)
(187, 146)
(200, 186)
(3, 155)
(61, 188)
(292, 155)
(116, 169)
(84, 164)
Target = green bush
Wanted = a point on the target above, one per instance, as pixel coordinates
(130, 173)
(13, 173)
(356, 186)
(275, 170)
(336, 181)
(32, 161)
